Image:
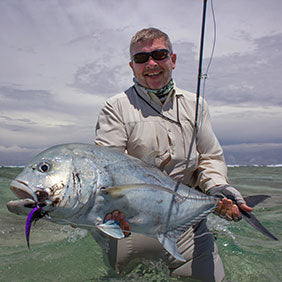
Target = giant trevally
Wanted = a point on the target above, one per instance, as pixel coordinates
(78, 184)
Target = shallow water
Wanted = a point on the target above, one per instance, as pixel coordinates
(61, 253)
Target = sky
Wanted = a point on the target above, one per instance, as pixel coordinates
(61, 59)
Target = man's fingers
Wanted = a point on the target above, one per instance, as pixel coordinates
(115, 215)
(228, 210)
(227, 202)
(245, 208)
(219, 207)
(108, 217)
(120, 218)
(124, 225)
(235, 212)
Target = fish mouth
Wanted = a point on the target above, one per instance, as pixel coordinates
(28, 198)
(30, 203)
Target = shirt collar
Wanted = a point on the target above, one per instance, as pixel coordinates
(151, 97)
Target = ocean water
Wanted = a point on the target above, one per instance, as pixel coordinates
(61, 253)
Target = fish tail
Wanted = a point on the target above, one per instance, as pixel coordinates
(252, 201)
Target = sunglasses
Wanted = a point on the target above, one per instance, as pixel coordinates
(143, 57)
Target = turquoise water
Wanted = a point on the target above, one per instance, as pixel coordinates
(61, 253)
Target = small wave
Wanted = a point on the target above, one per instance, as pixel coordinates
(220, 226)
(149, 270)
(275, 165)
(254, 165)
(74, 234)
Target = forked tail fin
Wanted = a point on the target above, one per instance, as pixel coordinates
(252, 201)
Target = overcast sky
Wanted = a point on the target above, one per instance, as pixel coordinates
(60, 60)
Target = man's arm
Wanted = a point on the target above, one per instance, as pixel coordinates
(212, 169)
(212, 175)
(110, 131)
(110, 128)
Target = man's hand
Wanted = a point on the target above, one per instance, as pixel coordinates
(120, 218)
(230, 211)
(229, 208)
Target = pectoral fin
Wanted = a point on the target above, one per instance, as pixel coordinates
(112, 229)
(170, 246)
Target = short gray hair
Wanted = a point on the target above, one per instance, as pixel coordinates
(149, 34)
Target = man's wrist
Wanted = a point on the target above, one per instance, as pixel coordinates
(227, 191)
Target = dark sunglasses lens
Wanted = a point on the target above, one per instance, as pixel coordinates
(141, 58)
(160, 54)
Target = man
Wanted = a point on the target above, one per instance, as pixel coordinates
(155, 116)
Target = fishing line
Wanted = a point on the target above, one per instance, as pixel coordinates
(201, 76)
(205, 76)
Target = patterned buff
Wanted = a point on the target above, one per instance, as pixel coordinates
(160, 93)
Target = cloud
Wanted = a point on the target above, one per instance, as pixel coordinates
(185, 73)
(12, 97)
(62, 59)
(102, 78)
(249, 78)
(37, 118)
(247, 124)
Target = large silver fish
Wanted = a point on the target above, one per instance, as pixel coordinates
(78, 184)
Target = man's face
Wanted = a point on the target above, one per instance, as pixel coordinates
(153, 74)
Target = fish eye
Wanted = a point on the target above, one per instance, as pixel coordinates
(44, 167)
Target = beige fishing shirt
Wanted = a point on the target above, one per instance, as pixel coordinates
(130, 125)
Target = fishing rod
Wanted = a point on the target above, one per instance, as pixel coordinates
(200, 74)
(198, 91)
(199, 78)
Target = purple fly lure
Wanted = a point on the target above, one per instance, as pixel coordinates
(34, 215)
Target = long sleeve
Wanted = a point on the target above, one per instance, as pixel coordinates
(211, 169)
(110, 129)
(128, 124)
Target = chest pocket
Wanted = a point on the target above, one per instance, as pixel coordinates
(147, 136)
